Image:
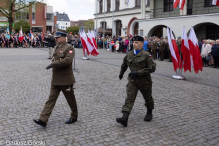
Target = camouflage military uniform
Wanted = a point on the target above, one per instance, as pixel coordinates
(161, 50)
(153, 49)
(144, 64)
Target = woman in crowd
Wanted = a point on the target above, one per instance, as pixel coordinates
(205, 52)
(126, 44)
(211, 61)
(117, 46)
(215, 54)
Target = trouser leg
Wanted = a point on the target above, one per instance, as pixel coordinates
(146, 91)
(131, 91)
(70, 97)
(49, 105)
(154, 53)
(50, 52)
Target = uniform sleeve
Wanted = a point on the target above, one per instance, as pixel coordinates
(124, 65)
(151, 67)
(65, 61)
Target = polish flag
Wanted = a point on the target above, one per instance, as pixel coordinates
(84, 45)
(94, 52)
(21, 35)
(187, 58)
(215, 2)
(195, 52)
(93, 38)
(182, 4)
(173, 53)
(176, 3)
(176, 49)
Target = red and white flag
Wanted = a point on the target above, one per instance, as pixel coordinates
(84, 42)
(21, 35)
(215, 2)
(94, 51)
(195, 52)
(173, 53)
(187, 58)
(176, 49)
(176, 3)
(182, 4)
(93, 38)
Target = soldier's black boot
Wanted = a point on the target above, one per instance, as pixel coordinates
(39, 122)
(124, 119)
(149, 115)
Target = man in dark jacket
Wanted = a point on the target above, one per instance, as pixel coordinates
(50, 41)
(215, 54)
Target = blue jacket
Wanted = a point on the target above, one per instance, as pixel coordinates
(145, 47)
(215, 50)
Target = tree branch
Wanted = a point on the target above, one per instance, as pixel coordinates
(22, 8)
(4, 13)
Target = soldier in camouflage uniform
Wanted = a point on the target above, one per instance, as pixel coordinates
(153, 48)
(141, 65)
(161, 49)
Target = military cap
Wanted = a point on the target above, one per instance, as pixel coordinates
(59, 33)
(138, 38)
(154, 36)
(179, 37)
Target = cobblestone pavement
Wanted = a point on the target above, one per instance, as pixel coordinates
(186, 112)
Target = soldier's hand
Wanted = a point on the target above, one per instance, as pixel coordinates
(133, 74)
(49, 66)
(120, 76)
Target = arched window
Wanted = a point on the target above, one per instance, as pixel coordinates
(108, 5)
(101, 6)
(118, 27)
(117, 4)
(137, 3)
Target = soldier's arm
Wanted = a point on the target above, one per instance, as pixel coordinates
(124, 66)
(65, 61)
(150, 68)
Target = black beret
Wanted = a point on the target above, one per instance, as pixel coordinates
(138, 38)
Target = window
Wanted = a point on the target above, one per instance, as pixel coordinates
(168, 5)
(137, 3)
(208, 3)
(49, 16)
(117, 4)
(66, 23)
(104, 25)
(108, 5)
(33, 16)
(118, 27)
(101, 6)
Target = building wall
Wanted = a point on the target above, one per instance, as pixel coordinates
(177, 23)
(63, 24)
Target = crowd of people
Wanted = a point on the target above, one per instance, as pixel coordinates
(159, 48)
(38, 40)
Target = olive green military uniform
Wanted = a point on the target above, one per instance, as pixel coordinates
(169, 53)
(144, 64)
(62, 79)
(153, 49)
(161, 49)
(179, 46)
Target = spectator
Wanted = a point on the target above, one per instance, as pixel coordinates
(206, 49)
(215, 54)
(145, 47)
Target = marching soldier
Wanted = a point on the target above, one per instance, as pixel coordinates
(153, 48)
(141, 65)
(62, 80)
(161, 49)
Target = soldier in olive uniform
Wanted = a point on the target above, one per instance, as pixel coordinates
(179, 41)
(168, 49)
(161, 48)
(62, 79)
(153, 48)
(141, 65)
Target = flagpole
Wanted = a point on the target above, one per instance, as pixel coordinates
(96, 23)
(104, 25)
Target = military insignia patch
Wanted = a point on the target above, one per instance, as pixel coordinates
(70, 52)
(150, 55)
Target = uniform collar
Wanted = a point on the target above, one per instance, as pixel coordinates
(137, 52)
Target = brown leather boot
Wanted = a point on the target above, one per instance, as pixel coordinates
(149, 115)
(124, 119)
